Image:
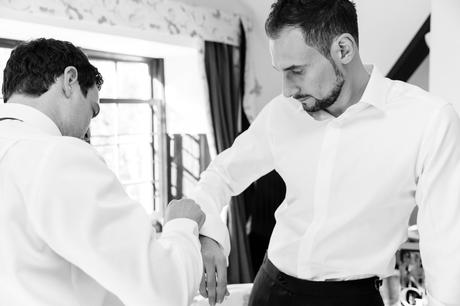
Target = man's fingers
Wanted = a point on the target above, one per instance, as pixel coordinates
(216, 267)
(203, 291)
(221, 289)
(211, 284)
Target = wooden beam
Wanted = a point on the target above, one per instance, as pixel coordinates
(413, 55)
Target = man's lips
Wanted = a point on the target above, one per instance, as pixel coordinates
(304, 99)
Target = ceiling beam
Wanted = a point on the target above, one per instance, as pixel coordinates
(414, 54)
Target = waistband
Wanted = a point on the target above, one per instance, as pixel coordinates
(321, 288)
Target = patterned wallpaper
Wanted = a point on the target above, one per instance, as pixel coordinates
(164, 17)
(161, 16)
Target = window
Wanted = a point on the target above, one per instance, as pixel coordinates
(188, 157)
(124, 131)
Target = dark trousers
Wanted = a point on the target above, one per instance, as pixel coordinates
(275, 288)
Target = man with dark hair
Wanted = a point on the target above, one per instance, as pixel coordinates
(357, 152)
(69, 233)
(34, 66)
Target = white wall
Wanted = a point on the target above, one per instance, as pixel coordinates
(387, 27)
(444, 46)
(124, 42)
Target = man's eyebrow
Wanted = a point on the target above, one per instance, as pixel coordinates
(292, 67)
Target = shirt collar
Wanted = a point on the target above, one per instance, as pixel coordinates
(374, 94)
(376, 90)
(30, 116)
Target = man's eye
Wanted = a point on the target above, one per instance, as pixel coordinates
(297, 71)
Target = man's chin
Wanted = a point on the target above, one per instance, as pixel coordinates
(310, 108)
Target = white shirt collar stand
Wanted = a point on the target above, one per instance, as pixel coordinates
(376, 90)
(374, 95)
(30, 116)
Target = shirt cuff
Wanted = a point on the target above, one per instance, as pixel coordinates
(214, 228)
(181, 225)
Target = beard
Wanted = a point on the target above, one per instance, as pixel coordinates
(331, 97)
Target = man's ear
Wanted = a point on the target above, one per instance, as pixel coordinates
(70, 79)
(343, 48)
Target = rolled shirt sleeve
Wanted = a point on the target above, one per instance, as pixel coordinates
(80, 209)
(438, 198)
(230, 173)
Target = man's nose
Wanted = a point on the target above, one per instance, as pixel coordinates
(289, 88)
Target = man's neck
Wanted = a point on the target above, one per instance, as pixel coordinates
(352, 90)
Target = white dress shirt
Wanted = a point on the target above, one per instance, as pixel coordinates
(352, 182)
(70, 235)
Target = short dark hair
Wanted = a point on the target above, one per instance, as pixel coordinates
(33, 67)
(320, 20)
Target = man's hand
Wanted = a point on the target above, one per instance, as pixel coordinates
(184, 208)
(214, 282)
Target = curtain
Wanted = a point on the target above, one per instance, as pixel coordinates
(225, 77)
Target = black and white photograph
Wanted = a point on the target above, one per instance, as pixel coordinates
(229, 153)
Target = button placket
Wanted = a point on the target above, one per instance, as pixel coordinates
(321, 197)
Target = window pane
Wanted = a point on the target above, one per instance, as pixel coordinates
(135, 139)
(109, 74)
(191, 164)
(4, 56)
(142, 193)
(140, 114)
(105, 123)
(188, 184)
(133, 81)
(135, 162)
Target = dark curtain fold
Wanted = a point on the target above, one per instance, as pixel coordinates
(225, 75)
(262, 200)
(224, 92)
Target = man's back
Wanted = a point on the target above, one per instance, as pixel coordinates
(70, 234)
(30, 270)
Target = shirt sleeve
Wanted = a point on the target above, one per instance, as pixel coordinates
(230, 173)
(438, 198)
(80, 209)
